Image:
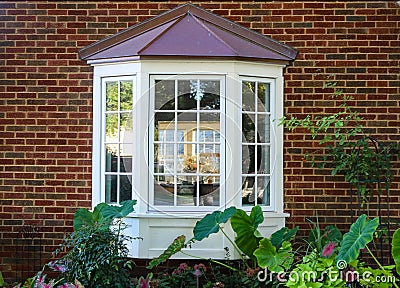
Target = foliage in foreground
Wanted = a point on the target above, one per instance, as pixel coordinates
(97, 250)
(329, 261)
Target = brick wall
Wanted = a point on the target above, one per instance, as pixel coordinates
(45, 111)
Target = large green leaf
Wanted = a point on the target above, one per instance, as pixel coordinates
(396, 249)
(247, 235)
(112, 212)
(172, 249)
(283, 234)
(83, 217)
(268, 257)
(360, 234)
(210, 223)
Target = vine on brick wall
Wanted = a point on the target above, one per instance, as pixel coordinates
(345, 146)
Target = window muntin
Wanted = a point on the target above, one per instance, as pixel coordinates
(187, 146)
(117, 140)
(256, 142)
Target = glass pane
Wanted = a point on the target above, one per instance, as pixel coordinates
(126, 151)
(264, 162)
(208, 192)
(246, 159)
(263, 190)
(187, 123)
(263, 127)
(211, 122)
(164, 95)
(164, 191)
(210, 160)
(164, 157)
(111, 188)
(187, 94)
(111, 96)
(125, 123)
(187, 161)
(248, 96)
(112, 127)
(248, 128)
(263, 101)
(209, 95)
(125, 188)
(185, 190)
(163, 121)
(126, 101)
(248, 196)
(111, 158)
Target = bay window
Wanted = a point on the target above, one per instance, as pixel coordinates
(184, 110)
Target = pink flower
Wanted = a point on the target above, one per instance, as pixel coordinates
(182, 267)
(329, 248)
(200, 266)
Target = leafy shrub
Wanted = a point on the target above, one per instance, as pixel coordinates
(97, 250)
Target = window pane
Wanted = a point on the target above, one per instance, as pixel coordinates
(187, 160)
(248, 96)
(248, 197)
(111, 127)
(126, 151)
(164, 95)
(263, 94)
(111, 188)
(126, 95)
(208, 192)
(264, 155)
(211, 122)
(111, 158)
(111, 96)
(263, 127)
(164, 157)
(246, 159)
(125, 123)
(185, 190)
(263, 190)
(210, 160)
(125, 188)
(248, 128)
(164, 191)
(163, 121)
(187, 94)
(209, 95)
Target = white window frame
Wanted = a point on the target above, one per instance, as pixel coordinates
(222, 196)
(272, 144)
(102, 141)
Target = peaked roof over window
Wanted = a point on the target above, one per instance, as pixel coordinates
(188, 31)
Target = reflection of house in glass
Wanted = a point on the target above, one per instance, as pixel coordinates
(187, 142)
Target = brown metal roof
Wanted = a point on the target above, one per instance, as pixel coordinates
(188, 31)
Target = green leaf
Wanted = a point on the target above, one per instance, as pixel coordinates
(112, 212)
(268, 257)
(1, 280)
(82, 217)
(172, 249)
(210, 223)
(247, 235)
(360, 234)
(396, 249)
(283, 234)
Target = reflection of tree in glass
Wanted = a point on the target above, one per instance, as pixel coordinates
(118, 99)
(164, 95)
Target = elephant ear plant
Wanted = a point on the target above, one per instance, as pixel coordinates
(97, 250)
